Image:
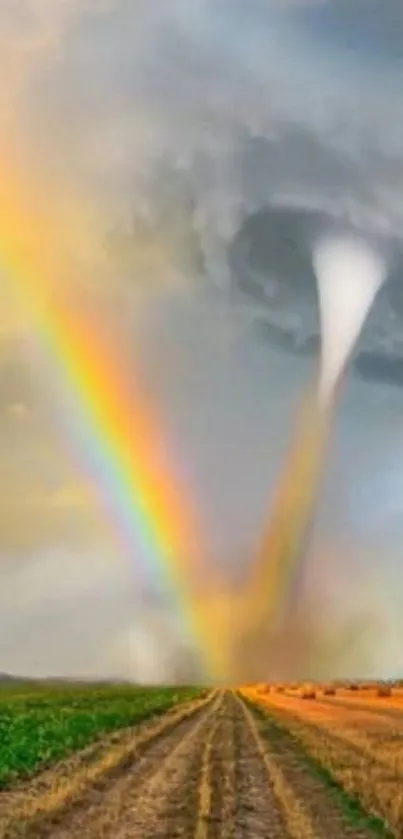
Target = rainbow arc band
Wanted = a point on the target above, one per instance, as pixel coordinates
(113, 422)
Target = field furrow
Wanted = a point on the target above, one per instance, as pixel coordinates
(35, 809)
(350, 760)
(221, 766)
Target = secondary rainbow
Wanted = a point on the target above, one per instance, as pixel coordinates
(113, 423)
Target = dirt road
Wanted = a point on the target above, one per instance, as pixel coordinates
(214, 773)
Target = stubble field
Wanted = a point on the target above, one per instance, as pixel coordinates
(253, 763)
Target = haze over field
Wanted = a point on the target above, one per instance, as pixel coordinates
(169, 154)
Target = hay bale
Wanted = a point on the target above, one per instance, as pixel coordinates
(264, 689)
(353, 686)
(307, 692)
(329, 690)
(384, 690)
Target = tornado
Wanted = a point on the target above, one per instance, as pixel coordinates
(349, 275)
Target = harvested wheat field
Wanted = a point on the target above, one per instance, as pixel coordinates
(203, 765)
(358, 745)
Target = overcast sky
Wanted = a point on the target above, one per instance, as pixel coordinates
(181, 119)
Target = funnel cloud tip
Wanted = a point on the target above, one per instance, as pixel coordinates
(349, 272)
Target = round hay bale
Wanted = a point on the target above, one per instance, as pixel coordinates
(329, 690)
(384, 690)
(307, 692)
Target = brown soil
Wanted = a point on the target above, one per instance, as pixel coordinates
(209, 773)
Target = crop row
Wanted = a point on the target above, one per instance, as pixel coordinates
(42, 728)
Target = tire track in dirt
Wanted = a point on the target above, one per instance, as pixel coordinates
(205, 789)
(157, 795)
(240, 800)
(258, 812)
(223, 798)
(220, 771)
(298, 820)
(36, 810)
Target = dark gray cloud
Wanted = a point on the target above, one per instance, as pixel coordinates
(366, 26)
(212, 114)
(216, 96)
(272, 269)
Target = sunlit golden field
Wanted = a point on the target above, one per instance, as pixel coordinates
(353, 730)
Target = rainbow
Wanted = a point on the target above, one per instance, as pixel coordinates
(276, 573)
(113, 424)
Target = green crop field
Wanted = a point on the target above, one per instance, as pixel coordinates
(41, 724)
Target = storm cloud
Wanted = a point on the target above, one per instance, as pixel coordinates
(182, 153)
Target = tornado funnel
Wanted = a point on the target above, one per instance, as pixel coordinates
(349, 275)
